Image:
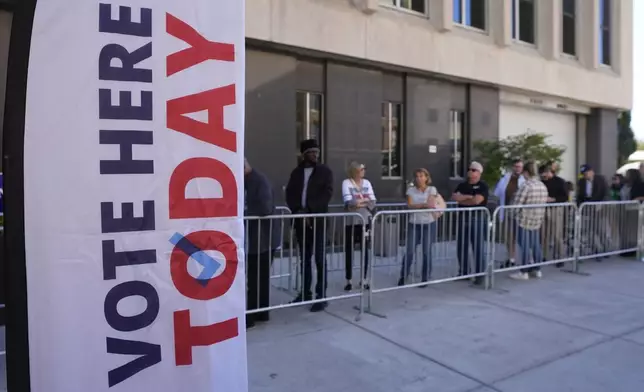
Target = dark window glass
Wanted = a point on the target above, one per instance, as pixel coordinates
(308, 117)
(457, 130)
(568, 27)
(477, 11)
(391, 139)
(526, 21)
(412, 5)
(604, 32)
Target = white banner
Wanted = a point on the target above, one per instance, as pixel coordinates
(134, 196)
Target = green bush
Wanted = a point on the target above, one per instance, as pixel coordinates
(497, 155)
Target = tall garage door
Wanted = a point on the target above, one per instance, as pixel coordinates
(516, 120)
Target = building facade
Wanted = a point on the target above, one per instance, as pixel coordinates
(401, 84)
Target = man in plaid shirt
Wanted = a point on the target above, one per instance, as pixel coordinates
(529, 220)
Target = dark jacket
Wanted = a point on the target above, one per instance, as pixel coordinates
(318, 192)
(599, 190)
(557, 189)
(262, 235)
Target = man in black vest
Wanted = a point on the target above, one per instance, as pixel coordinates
(309, 191)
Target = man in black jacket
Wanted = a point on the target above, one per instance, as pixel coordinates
(552, 230)
(593, 188)
(309, 191)
(262, 239)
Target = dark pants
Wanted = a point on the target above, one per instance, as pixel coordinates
(259, 283)
(530, 243)
(425, 236)
(471, 232)
(353, 235)
(310, 238)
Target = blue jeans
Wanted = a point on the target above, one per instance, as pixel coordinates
(423, 235)
(471, 232)
(530, 243)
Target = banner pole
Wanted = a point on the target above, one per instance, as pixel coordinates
(17, 331)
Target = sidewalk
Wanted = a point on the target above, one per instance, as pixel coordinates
(565, 332)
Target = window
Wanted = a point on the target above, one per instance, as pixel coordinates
(392, 140)
(604, 32)
(523, 20)
(470, 13)
(419, 6)
(457, 143)
(569, 40)
(309, 116)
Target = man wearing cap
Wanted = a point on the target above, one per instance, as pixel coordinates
(309, 191)
(472, 225)
(593, 188)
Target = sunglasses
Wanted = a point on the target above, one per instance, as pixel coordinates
(472, 170)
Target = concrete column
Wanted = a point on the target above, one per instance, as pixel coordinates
(601, 141)
(549, 16)
(588, 15)
(441, 14)
(500, 16)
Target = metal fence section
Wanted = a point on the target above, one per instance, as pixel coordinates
(288, 259)
(532, 236)
(438, 245)
(609, 228)
(313, 258)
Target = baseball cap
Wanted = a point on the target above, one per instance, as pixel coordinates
(585, 168)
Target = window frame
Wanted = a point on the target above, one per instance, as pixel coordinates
(307, 123)
(462, 21)
(516, 22)
(400, 141)
(456, 118)
(575, 36)
(605, 47)
(397, 6)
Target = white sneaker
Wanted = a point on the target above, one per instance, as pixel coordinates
(536, 274)
(519, 276)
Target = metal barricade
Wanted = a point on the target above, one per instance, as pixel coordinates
(609, 228)
(532, 236)
(440, 245)
(288, 259)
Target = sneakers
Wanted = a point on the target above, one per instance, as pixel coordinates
(526, 275)
(348, 286)
(536, 274)
(519, 276)
(319, 307)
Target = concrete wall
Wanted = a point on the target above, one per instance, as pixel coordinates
(367, 30)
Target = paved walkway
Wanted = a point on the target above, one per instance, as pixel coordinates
(565, 332)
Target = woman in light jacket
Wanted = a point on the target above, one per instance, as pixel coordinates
(358, 196)
(421, 229)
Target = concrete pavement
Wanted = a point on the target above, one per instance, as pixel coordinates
(565, 332)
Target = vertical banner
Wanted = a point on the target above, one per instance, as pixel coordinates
(133, 182)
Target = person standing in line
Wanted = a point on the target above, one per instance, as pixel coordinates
(553, 225)
(309, 191)
(358, 196)
(529, 221)
(593, 188)
(472, 225)
(262, 239)
(633, 189)
(616, 187)
(421, 229)
(505, 191)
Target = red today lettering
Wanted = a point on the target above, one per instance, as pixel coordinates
(180, 207)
